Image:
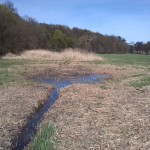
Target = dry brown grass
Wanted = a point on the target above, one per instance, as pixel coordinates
(19, 101)
(93, 117)
(108, 116)
(88, 117)
(67, 55)
(16, 105)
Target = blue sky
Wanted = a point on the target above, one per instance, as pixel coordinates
(126, 18)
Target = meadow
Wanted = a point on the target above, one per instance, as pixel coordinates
(110, 115)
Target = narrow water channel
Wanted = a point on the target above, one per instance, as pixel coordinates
(30, 129)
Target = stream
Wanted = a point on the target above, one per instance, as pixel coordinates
(30, 129)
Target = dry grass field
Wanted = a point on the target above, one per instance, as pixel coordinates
(108, 116)
(113, 115)
(66, 55)
(20, 96)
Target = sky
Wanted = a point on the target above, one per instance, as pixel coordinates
(129, 19)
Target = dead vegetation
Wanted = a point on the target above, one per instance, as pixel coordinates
(88, 117)
(16, 105)
(18, 101)
(94, 117)
(65, 55)
(108, 116)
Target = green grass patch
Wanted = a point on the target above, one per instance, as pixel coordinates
(7, 63)
(104, 87)
(141, 83)
(126, 59)
(138, 75)
(10, 75)
(6, 77)
(43, 140)
(99, 97)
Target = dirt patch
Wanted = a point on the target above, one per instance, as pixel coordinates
(16, 105)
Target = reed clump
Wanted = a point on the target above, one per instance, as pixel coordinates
(66, 54)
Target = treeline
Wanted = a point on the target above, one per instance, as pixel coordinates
(21, 33)
(140, 48)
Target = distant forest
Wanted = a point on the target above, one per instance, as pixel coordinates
(24, 33)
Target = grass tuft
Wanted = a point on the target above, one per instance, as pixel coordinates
(43, 140)
(143, 82)
(104, 87)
